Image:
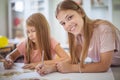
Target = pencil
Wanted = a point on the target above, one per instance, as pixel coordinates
(42, 58)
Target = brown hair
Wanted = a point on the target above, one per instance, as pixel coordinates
(87, 31)
(41, 25)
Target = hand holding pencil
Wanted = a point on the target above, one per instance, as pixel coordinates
(44, 68)
(8, 63)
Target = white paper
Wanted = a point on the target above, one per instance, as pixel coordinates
(27, 74)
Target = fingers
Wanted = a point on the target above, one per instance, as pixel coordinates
(58, 66)
(45, 69)
(39, 66)
(41, 70)
(8, 64)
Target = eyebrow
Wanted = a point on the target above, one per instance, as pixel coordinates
(65, 18)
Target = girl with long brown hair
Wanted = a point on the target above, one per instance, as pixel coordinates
(38, 41)
(95, 40)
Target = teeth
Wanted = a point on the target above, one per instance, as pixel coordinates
(72, 28)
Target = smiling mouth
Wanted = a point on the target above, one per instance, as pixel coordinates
(32, 39)
(72, 29)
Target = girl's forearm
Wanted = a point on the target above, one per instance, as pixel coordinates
(54, 61)
(9, 57)
(95, 67)
(13, 55)
(89, 68)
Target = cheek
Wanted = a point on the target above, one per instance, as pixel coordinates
(81, 22)
(65, 28)
(35, 35)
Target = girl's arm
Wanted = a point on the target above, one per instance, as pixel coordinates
(102, 66)
(13, 55)
(61, 54)
(10, 58)
(50, 65)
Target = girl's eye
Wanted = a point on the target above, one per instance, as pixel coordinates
(33, 30)
(27, 31)
(63, 23)
(70, 17)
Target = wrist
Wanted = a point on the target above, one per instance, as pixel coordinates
(54, 68)
(9, 58)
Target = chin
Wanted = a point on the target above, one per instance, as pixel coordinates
(33, 41)
(75, 33)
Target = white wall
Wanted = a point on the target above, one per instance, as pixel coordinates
(3, 17)
(116, 13)
(49, 6)
(57, 30)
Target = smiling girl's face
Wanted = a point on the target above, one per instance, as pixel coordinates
(71, 21)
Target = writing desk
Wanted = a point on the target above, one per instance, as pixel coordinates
(17, 73)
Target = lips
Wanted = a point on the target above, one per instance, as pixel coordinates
(32, 39)
(72, 29)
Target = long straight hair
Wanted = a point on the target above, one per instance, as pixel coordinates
(87, 31)
(42, 28)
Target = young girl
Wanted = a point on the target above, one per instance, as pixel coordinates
(96, 40)
(38, 41)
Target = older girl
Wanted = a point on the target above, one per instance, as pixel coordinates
(96, 40)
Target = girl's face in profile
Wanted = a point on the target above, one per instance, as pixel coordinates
(71, 21)
(31, 32)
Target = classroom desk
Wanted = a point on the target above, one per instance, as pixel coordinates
(17, 73)
(116, 72)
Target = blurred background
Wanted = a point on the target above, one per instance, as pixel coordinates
(13, 14)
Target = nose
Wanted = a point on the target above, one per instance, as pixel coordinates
(30, 35)
(67, 26)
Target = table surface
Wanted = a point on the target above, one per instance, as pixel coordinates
(17, 73)
(116, 72)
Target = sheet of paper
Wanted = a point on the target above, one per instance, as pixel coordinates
(17, 73)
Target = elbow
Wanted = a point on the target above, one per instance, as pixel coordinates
(105, 68)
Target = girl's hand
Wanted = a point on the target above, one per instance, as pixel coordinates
(30, 66)
(8, 64)
(64, 67)
(39, 66)
(45, 69)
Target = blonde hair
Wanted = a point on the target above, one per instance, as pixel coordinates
(87, 31)
(41, 25)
